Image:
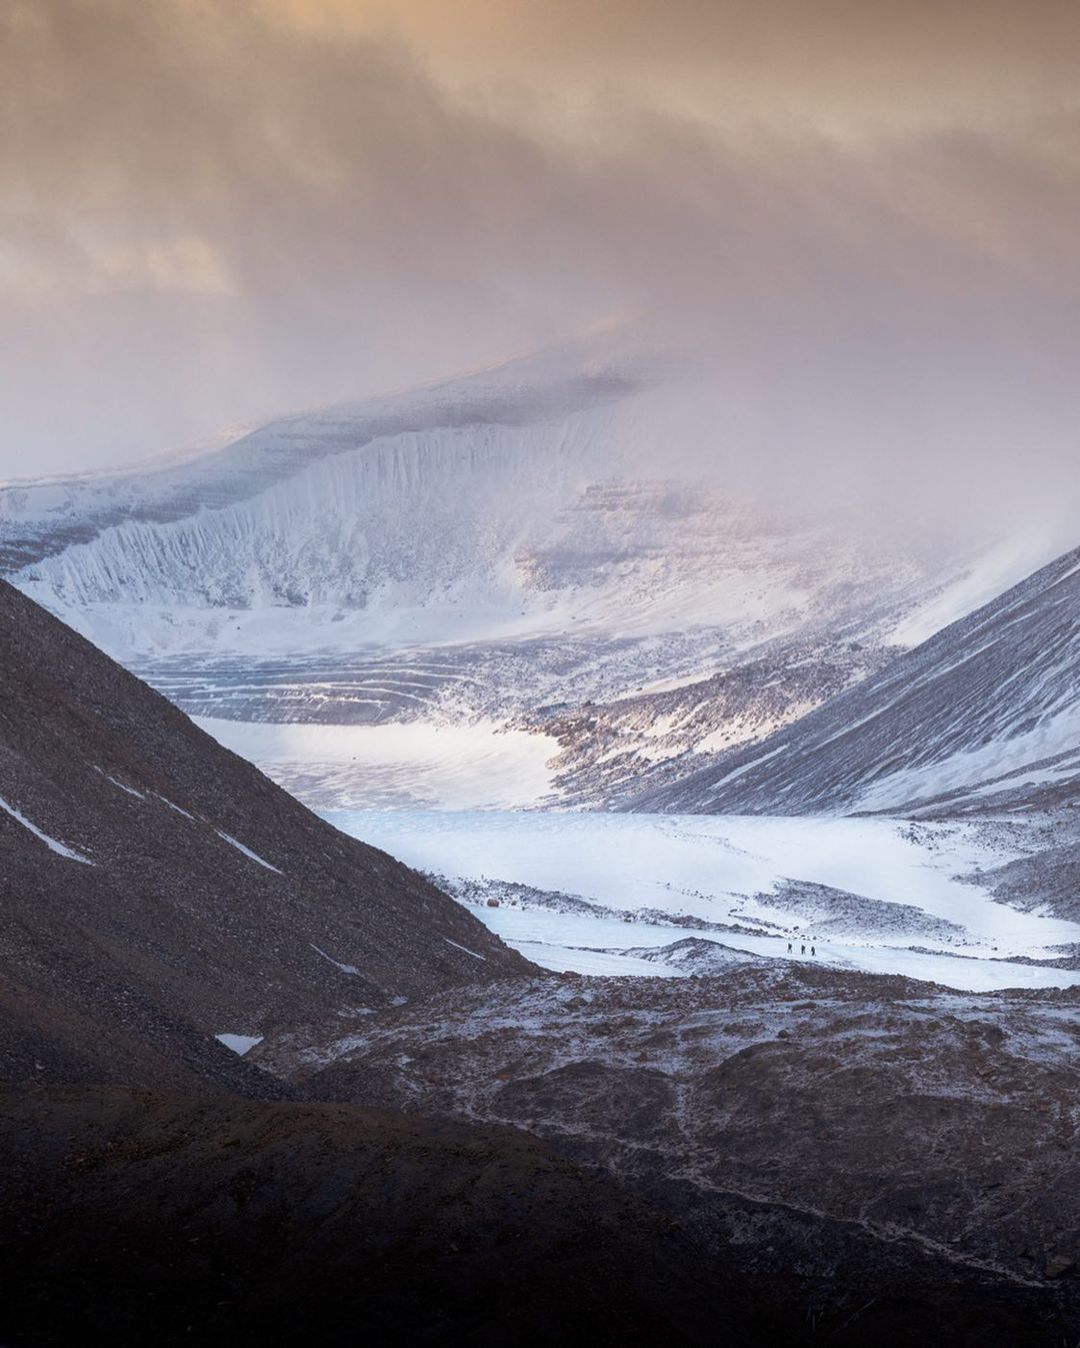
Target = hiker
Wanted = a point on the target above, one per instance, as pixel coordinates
(813, 950)
(789, 947)
(802, 951)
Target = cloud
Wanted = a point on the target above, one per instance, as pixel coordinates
(855, 64)
(214, 210)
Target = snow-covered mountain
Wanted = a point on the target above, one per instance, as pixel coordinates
(528, 551)
(984, 715)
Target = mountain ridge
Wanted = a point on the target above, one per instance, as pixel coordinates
(983, 715)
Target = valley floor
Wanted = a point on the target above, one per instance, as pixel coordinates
(675, 895)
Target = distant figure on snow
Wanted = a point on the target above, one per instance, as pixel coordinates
(789, 947)
(802, 950)
(813, 950)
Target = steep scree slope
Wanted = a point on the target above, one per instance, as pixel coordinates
(158, 891)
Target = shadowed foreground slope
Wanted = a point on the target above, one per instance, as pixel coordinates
(762, 1158)
(138, 1217)
(157, 890)
(133, 1217)
(872, 1154)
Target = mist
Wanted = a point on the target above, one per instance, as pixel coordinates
(218, 212)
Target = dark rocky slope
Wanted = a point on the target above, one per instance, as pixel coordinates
(138, 1217)
(865, 1141)
(134, 1218)
(156, 890)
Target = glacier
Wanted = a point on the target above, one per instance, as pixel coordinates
(525, 551)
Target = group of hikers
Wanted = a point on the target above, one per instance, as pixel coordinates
(802, 949)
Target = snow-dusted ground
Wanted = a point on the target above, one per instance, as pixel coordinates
(735, 872)
(251, 856)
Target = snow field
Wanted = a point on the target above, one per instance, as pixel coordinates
(719, 870)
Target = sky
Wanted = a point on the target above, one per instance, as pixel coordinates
(861, 216)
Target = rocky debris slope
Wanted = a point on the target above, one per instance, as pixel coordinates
(823, 911)
(983, 716)
(1047, 879)
(694, 956)
(135, 1217)
(797, 1118)
(511, 894)
(158, 891)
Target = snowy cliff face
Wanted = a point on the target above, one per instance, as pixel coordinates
(40, 519)
(985, 715)
(424, 500)
(474, 526)
(520, 547)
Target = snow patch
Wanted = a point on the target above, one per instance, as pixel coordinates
(239, 1043)
(465, 950)
(252, 856)
(345, 968)
(129, 789)
(165, 801)
(50, 843)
